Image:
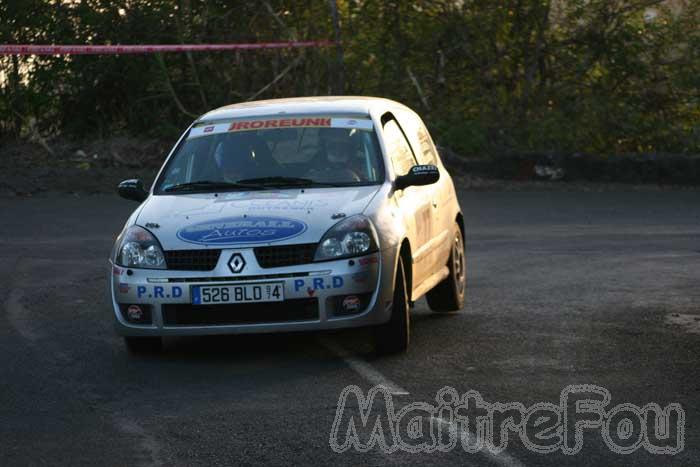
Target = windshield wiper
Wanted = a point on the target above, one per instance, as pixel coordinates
(284, 181)
(207, 185)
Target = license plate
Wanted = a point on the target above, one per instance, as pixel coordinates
(239, 293)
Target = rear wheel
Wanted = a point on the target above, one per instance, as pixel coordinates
(448, 295)
(393, 336)
(143, 345)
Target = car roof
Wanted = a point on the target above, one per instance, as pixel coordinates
(350, 105)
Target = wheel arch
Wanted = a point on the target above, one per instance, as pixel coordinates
(460, 222)
(405, 255)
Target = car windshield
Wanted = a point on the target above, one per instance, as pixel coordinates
(309, 151)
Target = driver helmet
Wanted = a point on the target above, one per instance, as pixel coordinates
(337, 144)
(231, 159)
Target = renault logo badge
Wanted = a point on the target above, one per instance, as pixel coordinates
(236, 263)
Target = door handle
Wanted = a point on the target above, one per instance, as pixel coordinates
(434, 203)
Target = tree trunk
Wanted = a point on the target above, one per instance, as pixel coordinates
(339, 85)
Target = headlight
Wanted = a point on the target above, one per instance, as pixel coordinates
(138, 248)
(354, 236)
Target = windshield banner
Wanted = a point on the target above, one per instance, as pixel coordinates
(274, 123)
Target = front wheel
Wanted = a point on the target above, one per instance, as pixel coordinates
(448, 295)
(393, 336)
(143, 345)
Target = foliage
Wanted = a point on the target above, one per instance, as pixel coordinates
(497, 77)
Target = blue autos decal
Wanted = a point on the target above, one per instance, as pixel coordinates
(241, 230)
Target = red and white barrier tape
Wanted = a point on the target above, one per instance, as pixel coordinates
(147, 49)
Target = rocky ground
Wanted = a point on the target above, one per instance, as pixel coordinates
(27, 169)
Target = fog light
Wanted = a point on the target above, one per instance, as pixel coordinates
(351, 304)
(134, 313)
(346, 305)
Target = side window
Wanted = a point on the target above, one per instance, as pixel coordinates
(426, 154)
(399, 151)
(419, 137)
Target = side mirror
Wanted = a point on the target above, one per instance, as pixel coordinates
(417, 176)
(133, 190)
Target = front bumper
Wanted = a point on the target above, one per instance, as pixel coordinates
(318, 286)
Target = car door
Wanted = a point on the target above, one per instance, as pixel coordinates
(414, 202)
(424, 150)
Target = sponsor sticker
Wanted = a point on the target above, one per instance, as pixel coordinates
(242, 230)
(369, 260)
(255, 195)
(423, 168)
(158, 291)
(208, 130)
(309, 122)
(286, 205)
(359, 124)
(318, 283)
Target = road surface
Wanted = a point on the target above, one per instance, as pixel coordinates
(563, 289)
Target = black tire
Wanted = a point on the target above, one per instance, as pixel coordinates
(448, 295)
(143, 345)
(393, 336)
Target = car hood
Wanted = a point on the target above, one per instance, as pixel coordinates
(252, 218)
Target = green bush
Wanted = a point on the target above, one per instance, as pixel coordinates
(490, 77)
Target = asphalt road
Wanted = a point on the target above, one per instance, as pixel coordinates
(564, 289)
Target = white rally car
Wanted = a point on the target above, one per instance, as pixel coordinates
(291, 215)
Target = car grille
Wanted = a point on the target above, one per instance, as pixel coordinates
(192, 260)
(285, 255)
(303, 309)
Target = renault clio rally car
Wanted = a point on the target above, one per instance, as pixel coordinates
(291, 215)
